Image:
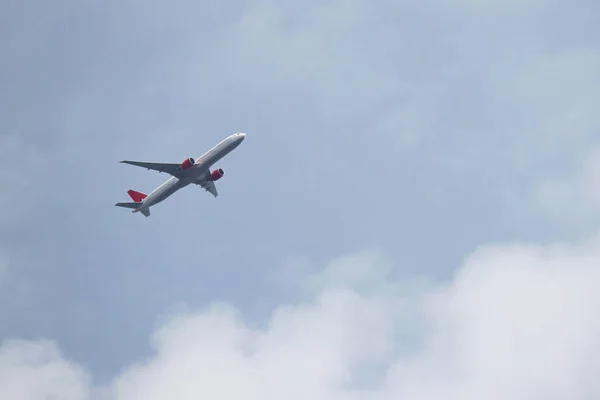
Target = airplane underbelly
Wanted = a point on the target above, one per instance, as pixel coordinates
(216, 155)
(166, 192)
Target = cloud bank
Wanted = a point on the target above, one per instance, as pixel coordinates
(515, 322)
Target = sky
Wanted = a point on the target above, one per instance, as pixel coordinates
(413, 213)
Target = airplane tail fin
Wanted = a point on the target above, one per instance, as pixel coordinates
(136, 196)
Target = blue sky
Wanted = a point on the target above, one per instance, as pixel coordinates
(394, 137)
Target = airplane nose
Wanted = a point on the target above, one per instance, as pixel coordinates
(242, 136)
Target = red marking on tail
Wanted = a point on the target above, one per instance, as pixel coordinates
(136, 196)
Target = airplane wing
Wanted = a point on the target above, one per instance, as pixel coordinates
(208, 185)
(170, 168)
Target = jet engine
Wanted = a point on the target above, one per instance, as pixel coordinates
(188, 163)
(217, 174)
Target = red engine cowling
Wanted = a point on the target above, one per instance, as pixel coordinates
(217, 174)
(188, 163)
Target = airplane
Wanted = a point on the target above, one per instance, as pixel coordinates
(183, 174)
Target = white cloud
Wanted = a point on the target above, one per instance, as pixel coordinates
(36, 370)
(352, 271)
(516, 322)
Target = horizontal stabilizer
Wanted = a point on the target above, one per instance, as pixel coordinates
(134, 206)
(128, 205)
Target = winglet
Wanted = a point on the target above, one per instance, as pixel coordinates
(136, 196)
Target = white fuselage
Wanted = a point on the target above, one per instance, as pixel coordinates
(200, 169)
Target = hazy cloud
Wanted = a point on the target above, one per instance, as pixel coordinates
(573, 198)
(515, 322)
(557, 91)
